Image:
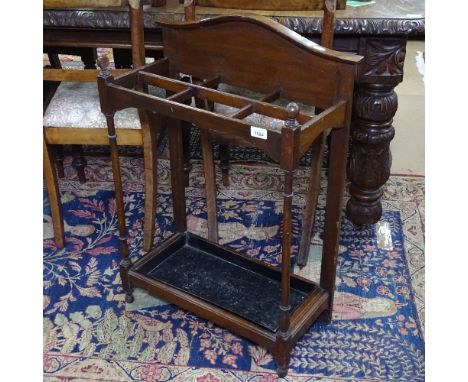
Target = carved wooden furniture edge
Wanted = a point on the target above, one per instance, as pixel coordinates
(281, 30)
(118, 18)
(80, 4)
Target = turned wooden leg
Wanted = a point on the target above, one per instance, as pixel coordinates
(210, 185)
(122, 58)
(331, 234)
(311, 200)
(79, 163)
(150, 124)
(375, 104)
(125, 263)
(58, 159)
(224, 163)
(282, 357)
(88, 56)
(283, 348)
(186, 128)
(283, 336)
(176, 155)
(54, 60)
(54, 195)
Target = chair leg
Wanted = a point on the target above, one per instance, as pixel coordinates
(150, 127)
(122, 58)
(224, 163)
(58, 159)
(79, 163)
(89, 56)
(311, 201)
(210, 185)
(54, 195)
(186, 128)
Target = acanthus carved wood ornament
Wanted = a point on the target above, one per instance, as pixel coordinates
(383, 18)
(385, 57)
(303, 25)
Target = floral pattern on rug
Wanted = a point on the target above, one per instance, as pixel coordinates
(89, 332)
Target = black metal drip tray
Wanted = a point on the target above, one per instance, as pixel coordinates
(223, 278)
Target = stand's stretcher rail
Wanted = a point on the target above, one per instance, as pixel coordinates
(122, 92)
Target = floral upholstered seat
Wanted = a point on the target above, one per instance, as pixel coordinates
(76, 104)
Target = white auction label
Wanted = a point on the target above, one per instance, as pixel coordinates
(258, 132)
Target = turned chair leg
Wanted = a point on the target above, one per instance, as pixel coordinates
(150, 124)
(210, 185)
(88, 56)
(224, 163)
(79, 163)
(54, 195)
(186, 129)
(311, 200)
(122, 58)
(58, 159)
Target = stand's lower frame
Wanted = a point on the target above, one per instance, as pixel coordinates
(314, 299)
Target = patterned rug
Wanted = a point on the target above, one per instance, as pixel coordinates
(91, 334)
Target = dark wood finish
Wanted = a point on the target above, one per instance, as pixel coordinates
(317, 75)
(210, 185)
(311, 200)
(301, 317)
(177, 168)
(377, 31)
(397, 18)
(370, 161)
(224, 163)
(334, 201)
(317, 151)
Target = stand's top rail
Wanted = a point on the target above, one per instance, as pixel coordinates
(126, 91)
(253, 53)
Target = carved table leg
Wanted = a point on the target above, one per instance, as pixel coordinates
(375, 104)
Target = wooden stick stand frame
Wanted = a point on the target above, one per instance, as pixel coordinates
(264, 304)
